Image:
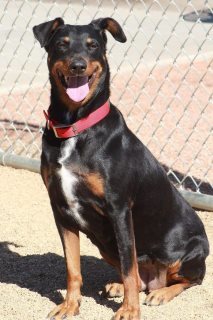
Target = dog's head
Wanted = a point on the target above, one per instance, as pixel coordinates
(77, 56)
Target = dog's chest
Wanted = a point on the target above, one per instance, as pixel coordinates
(76, 189)
(68, 182)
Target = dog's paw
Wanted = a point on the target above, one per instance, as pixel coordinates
(159, 297)
(64, 311)
(113, 290)
(127, 313)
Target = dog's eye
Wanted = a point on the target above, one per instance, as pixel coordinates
(92, 45)
(61, 45)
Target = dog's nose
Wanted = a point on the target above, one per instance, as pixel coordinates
(78, 66)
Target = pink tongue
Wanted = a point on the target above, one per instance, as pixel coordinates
(78, 88)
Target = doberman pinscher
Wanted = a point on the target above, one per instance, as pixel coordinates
(104, 182)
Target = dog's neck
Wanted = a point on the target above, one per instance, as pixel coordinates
(62, 114)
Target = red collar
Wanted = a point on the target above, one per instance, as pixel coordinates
(68, 131)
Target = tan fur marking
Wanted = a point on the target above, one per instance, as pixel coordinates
(89, 40)
(131, 295)
(66, 39)
(95, 183)
(173, 276)
(172, 272)
(92, 67)
(63, 66)
(71, 303)
(130, 308)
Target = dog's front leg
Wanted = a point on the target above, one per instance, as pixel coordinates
(123, 227)
(71, 245)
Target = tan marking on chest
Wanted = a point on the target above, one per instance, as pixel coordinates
(95, 183)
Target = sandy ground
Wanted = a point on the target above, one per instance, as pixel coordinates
(32, 273)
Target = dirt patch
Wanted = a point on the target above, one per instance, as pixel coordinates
(32, 272)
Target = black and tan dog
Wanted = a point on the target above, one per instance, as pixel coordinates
(104, 182)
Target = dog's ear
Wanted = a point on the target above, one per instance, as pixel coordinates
(112, 26)
(44, 31)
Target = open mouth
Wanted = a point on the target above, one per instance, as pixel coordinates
(77, 87)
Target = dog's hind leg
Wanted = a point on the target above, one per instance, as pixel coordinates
(164, 295)
(180, 276)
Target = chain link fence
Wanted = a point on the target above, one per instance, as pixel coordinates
(161, 80)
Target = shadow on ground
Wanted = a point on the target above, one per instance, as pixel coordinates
(46, 274)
